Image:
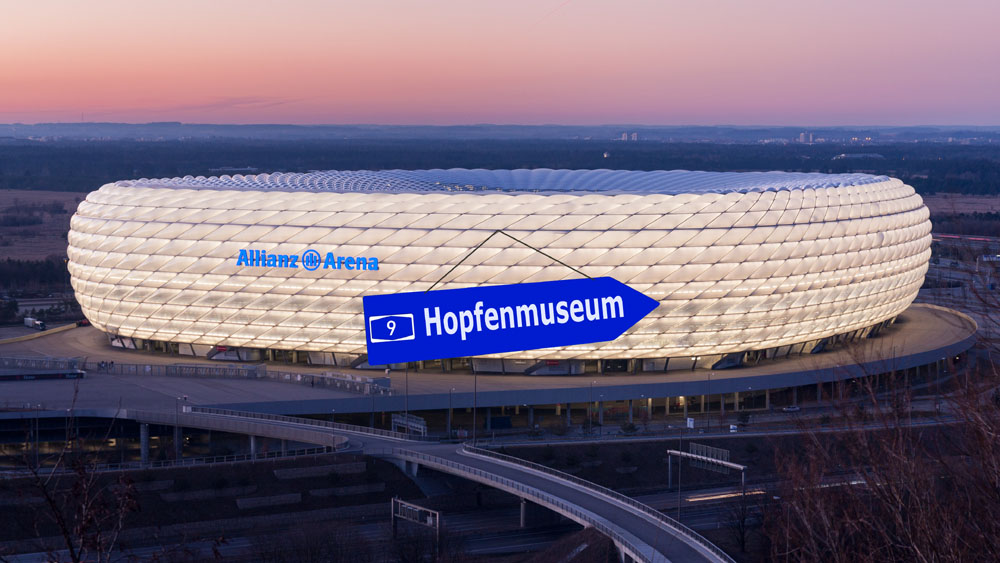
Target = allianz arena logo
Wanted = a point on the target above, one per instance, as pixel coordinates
(309, 260)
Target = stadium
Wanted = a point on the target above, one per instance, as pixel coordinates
(273, 266)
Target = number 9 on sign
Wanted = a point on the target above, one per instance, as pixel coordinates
(390, 328)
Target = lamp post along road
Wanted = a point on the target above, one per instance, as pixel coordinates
(450, 391)
(475, 389)
(590, 410)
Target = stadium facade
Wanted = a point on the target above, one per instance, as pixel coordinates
(273, 266)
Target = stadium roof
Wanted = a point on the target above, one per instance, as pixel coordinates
(670, 182)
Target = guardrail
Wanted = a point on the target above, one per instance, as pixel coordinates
(331, 380)
(309, 422)
(40, 363)
(232, 371)
(183, 370)
(632, 545)
(589, 485)
(185, 462)
(256, 371)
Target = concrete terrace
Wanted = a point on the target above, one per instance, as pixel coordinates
(923, 334)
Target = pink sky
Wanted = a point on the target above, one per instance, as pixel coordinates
(806, 62)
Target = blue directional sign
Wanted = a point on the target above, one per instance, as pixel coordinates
(452, 323)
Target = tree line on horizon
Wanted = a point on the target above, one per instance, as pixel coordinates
(85, 166)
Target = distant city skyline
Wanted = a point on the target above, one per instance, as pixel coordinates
(446, 62)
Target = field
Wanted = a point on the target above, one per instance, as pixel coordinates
(33, 224)
(950, 204)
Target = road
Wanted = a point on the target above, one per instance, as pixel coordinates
(480, 532)
(647, 534)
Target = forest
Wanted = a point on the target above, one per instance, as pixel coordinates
(86, 165)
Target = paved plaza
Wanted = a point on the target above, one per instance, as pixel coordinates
(922, 335)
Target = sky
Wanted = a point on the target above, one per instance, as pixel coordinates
(656, 62)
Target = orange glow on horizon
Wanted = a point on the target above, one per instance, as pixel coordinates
(448, 61)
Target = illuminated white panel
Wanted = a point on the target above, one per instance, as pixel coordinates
(739, 261)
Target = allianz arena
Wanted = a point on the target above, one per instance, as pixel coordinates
(274, 266)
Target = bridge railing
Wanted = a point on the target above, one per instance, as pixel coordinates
(179, 370)
(15, 362)
(231, 371)
(184, 462)
(624, 499)
(332, 380)
(530, 492)
(308, 422)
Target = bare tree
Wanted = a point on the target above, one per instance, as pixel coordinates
(888, 490)
(84, 507)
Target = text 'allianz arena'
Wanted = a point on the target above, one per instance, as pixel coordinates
(740, 262)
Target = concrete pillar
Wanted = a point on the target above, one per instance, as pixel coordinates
(144, 443)
(795, 395)
(736, 401)
(630, 411)
(531, 416)
(569, 414)
(767, 399)
(558, 409)
(666, 407)
(704, 404)
(284, 447)
(517, 409)
(253, 446)
(600, 413)
(489, 418)
(819, 392)
(722, 404)
(684, 400)
(524, 513)
(178, 442)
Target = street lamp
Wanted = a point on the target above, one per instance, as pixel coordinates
(450, 391)
(708, 398)
(38, 407)
(590, 406)
(475, 400)
(600, 413)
